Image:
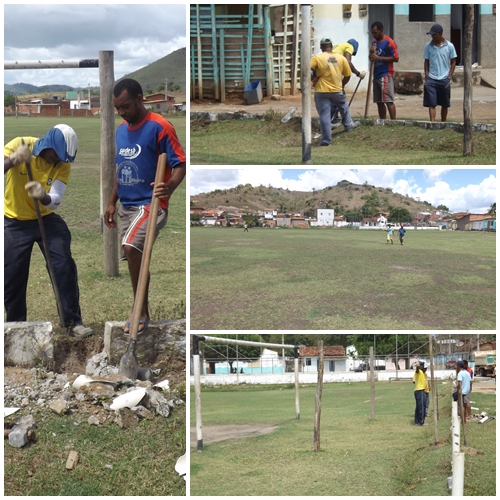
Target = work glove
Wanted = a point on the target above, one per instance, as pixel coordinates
(35, 190)
(21, 155)
(362, 74)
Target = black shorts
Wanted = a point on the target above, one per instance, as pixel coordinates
(437, 93)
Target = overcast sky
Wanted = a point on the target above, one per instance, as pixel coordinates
(459, 189)
(138, 35)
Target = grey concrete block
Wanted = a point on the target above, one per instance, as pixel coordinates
(28, 343)
(159, 337)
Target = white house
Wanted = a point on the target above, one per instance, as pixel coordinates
(325, 217)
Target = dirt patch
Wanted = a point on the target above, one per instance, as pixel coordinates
(213, 434)
(407, 106)
(71, 355)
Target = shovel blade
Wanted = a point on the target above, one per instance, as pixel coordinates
(129, 366)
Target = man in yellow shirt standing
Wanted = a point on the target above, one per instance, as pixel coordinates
(332, 72)
(50, 158)
(420, 381)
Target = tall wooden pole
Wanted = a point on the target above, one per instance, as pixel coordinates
(433, 391)
(319, 391)
(469, 26)
(108, 154)
(305, 83)
(197, 392)
(296, 366)
(372, 381)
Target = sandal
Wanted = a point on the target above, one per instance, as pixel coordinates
(142, 322)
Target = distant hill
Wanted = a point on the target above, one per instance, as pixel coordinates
(171, 68)
(343, 197)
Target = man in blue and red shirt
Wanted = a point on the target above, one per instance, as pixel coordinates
(140, 139)
(384, 53)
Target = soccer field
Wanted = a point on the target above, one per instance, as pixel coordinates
(323, 279)
(383, 457)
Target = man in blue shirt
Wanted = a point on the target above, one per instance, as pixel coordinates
(402, 232)
(463, 384)
(440, 59)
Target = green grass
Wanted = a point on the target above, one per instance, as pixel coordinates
(268, 141)
(142, 459)
(388, 456)
(102, 298)
(326, 279)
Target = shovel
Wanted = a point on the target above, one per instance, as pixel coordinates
(129, 367)
(50, 267)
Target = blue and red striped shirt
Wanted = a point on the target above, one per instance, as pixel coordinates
(137, 152)
(385, 48)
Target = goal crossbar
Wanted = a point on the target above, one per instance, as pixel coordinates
(197, 374)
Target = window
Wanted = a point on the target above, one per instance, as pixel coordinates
(421, 13)
(308, 362)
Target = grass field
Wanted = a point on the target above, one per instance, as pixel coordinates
(388, 456)
(326, 279)
(102, 298)
(269, 142)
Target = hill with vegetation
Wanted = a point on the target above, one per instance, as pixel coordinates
(346, 198)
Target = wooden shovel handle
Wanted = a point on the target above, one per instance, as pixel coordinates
(148, 248)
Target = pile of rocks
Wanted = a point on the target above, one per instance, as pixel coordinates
(87, 398)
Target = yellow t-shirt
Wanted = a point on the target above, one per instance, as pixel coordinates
(17, 203)
(342, 48)
(330, 69)
(420, 381)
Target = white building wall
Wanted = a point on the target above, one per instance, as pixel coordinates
(325, 217)
(328, 20)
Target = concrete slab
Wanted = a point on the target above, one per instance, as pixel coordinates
(489, 78)
(159, 337)
(28, 343)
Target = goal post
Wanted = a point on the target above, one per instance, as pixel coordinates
(197, 374)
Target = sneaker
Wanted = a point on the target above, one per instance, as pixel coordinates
(80, 331)
(354, 125)
(336, 122)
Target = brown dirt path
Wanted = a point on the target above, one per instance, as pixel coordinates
(215, 433)
(407, 106)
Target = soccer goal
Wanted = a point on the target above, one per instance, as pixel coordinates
(197, 374)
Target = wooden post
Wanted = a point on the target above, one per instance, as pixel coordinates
(197, 391)
(296, 366)
(305, 83)
(269, 53)
(200, 54)
(372, 381)
(469, 26)
(319, 391)
(214, 51)
(108, 154)
(433, 391)
(222, 68)
(370, 80)
(193, 71)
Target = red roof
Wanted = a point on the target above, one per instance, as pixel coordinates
(328, 350)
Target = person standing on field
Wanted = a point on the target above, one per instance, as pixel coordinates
(384, 53)
(440, 59)
(50, 159)
(420, 381)
(389, 235)
(463, 384)
(332, 72)
(468, 407)
(140, 139)
(402, 232)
